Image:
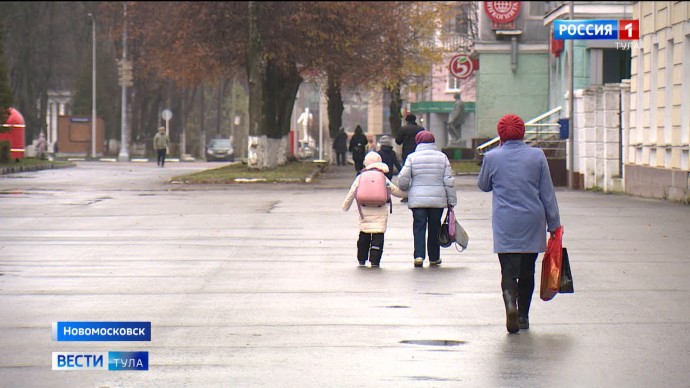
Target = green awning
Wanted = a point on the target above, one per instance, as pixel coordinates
(439, 106)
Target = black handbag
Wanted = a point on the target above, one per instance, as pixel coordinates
(566, 285)
(444, 239)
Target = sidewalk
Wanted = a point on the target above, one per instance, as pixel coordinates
(258, 286)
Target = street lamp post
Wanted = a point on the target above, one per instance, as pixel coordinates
(571, 108)
(124, 154)
(320, 121)
(93, 86)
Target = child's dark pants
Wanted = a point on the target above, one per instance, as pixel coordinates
(370, 245)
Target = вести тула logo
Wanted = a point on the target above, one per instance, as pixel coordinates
(114, 361)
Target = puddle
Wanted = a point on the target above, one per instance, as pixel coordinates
(434, 342)
(88, 202)
(430, 378)
(15, 175)
(13, 192)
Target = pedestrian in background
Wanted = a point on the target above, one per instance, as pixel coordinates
(524, 207)
(340, 147)
(427, 176)
(358, 147)
(160, 143)
(389, 156)
(41, 146)
(373, 220)
(406, 136)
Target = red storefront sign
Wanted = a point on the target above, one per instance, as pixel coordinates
(462, 66)
(502, 13)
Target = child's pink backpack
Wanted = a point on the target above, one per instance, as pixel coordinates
(372, 190)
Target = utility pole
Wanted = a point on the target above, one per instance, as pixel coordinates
(124, 154)
(571, 106)
(93, 86)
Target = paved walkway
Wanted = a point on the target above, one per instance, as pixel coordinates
(257, 285)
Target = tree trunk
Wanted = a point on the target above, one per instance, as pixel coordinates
(272, 91)
(202, 123)
(256, 74)
(6, 100)
(335, 104)
(233, 101)
(395, 118)
(219, 106)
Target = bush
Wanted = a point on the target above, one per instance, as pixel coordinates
(4, 151)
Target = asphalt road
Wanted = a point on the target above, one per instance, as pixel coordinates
(257, 285)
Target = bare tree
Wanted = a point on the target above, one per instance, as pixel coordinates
(5, 92)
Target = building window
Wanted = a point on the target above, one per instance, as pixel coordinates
(685, 94)
(453, 84)
(653, 92)
(462, 25)
(616, 65)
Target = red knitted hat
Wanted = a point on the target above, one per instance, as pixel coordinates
(424, 137)
(510, 127)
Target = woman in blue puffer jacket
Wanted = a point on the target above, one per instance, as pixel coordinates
(427, 176)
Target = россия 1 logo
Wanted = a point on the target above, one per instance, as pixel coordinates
(597, 29)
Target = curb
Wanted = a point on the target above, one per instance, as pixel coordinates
(318, 170)
(37, 167)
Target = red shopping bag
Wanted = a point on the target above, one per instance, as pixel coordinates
(551, 266)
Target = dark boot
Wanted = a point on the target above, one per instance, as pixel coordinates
(375, 256)
(510, 300)
(523, 323)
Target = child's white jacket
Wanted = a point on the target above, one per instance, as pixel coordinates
(373, 219)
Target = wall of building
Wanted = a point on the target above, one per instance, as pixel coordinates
(500, 91)
(559, 77)
(514, 67)
(658, 141)
(597, 137)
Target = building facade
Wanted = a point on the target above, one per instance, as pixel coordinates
(437, 106)
(599, 70)
(631, 119)
(658, 128)
(513, 50)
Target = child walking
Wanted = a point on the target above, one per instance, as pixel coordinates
(388, 155)
(373, 220)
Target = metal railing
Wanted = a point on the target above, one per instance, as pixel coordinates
(536, 134)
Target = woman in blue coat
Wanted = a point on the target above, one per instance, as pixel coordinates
(524, 208)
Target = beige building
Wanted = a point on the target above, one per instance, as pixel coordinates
(657, 144)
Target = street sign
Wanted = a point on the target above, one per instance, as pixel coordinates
(124, 71)
(461, 66)
(166, 114)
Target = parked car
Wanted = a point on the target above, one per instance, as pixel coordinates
(220, 149)
(305, 151)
